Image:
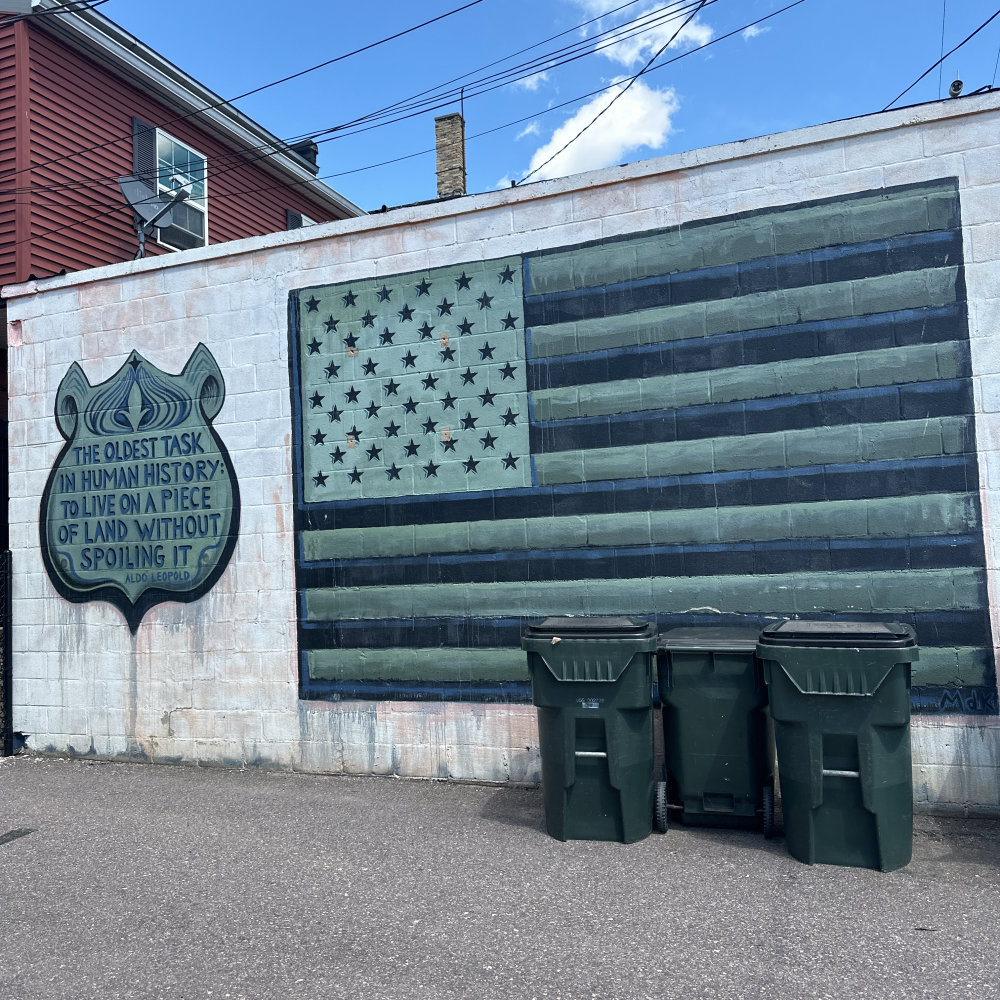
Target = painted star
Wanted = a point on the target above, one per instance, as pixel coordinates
(426, 331)
(509, 322)
(385, 337)
(313, 304)
(509, 462)
(374, 453)
(337, 455)
(450, 444)
(449, 401)
(314, 346)
(509, 418)
(372, 410)
(383, 294)
(320, 479)
(507, 276)
(471, 465)
(352, 395)
(368, 319)
(331, 325)
(405, 314)
(430, 382)
(508, 370)
(350, 341)
(465, 326)
(319, 437)
(349, 299)
(410, 406)
(392, 430)
(486, 352)
(487, 398)
(469, 422)
(315, 400)
(369, 367)
(391, 387)
(424, 287)
(430, 469)
(462, 281)
(354, 433)
(410, 449)
(335, 414)
(332, 370)
(489, 441)
(392, 472)
(429, 426)
(444, 309)
(485, 301)
(469, 376)
(355, 476)
(447, 353)
(409, 360)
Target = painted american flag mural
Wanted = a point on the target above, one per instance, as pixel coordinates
(760, 416)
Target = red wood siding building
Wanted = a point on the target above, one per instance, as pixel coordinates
(70, 86)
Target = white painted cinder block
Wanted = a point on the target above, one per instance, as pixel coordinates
(215, 680)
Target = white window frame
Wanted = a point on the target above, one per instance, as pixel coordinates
(198, 204)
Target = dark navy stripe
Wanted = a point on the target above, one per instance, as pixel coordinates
(934, 628)
(973, 699)
(823, 338)
(766, 274)
(802, 484)
(635, 562)
(879, 404)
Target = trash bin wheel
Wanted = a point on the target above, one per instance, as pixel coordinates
(660, 811)
(767, 800)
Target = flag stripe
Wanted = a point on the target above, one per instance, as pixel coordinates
(929, 515)
(829, 266)
(782, 230)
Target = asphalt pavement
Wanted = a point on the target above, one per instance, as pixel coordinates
(121, 880)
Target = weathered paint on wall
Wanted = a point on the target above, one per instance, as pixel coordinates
(883, 396)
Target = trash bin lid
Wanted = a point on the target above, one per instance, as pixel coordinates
(709, 639)
(859, 635)
(591, 627)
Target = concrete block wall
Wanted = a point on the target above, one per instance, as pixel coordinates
(219, 680)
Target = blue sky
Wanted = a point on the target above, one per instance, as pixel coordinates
(820, 61)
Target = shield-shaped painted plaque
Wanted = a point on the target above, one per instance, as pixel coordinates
(142, 504)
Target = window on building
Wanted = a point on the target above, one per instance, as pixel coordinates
(160, 159)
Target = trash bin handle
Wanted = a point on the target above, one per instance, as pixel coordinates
(591, 753)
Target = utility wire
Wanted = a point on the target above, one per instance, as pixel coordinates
(621, 93)
(930, 69)
(63, 9)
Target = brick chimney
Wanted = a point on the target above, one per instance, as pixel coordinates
(449, 137)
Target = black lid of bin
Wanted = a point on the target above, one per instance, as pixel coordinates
(856, 635)
(591, 627)
(709, 639)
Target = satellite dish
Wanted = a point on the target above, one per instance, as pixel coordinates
(151, 209)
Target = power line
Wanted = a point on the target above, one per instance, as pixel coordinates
(621, 93)
(930, 69)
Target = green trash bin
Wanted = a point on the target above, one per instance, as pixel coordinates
(840, 701)
(714, 730)
(592, 683)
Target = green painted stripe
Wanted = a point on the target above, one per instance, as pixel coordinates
(902, 439)
(876, 216)
(804, 593)
(763, 310)
(863, 369)
(937, 665)
(423, 664)
(952, 665)
(886, 517)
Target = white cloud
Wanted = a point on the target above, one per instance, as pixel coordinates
(753, 31)
(640, 118)
(532, 82)
(639, 48)
(532, 128)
